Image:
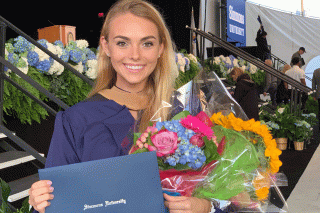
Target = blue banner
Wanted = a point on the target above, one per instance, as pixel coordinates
(236, 21)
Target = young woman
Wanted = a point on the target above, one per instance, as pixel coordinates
(136, 72)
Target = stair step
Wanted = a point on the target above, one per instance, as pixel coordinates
(12, 158)
(2, 135)
(20, 188)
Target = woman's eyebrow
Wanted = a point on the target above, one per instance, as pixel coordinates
(127, 39)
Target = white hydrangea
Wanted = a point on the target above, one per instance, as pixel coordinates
(79, 67)
(82, 43)
(52, 48)
(59, 51)
(235, 63)
(193, 58)
(6, 52)
(280, 110)
(56, 68)
(253, 69)
(92, 70)
(181, 62)
(217, 60)
(228, 60)
(222, 58)
(42, 55)
(243, 68)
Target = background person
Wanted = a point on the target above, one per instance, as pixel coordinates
(246, 94)
(298, 54)
(136, 72)
(282, 95)
(271, 85)
(299, 75)
(262, 44)
(316, 86)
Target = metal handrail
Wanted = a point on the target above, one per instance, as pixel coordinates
(248, 57)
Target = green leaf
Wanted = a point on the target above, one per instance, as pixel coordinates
(182, 114)
(140, 151)
(25, 206)
(136, 136)
(5, 190)
(210, 150)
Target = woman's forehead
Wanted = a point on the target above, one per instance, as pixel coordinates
(132, 26)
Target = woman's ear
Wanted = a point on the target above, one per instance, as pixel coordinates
(161, 49)
(104, 45)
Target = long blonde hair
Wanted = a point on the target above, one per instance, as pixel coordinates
(161, 82)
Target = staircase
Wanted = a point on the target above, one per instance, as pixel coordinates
(19, 162)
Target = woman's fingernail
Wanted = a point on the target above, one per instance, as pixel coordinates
(51, 189)
(51, 196)
(49, 183)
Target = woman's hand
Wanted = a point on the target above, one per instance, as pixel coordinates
(187, 204)
(40, 195)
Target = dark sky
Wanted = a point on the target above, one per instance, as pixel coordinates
(84, 16)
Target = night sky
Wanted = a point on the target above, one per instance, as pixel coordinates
(84, 17)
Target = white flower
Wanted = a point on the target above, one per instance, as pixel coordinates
(78, 67)
(193, 58)
(235, 63)
(280, 110)
(222, 58)
(229, 71)
(42, 55)
(243, 68)
(52, 48)
(253, 69)
(92, 70)
(59, 51)
(228, 60)
(56, 68)
(6, 52)
(82, 44)
(217, 60)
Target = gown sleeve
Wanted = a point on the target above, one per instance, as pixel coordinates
(62, 149)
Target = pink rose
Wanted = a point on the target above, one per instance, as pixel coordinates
(165, 142)
(197, 140)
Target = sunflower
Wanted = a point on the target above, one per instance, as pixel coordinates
(237, 124)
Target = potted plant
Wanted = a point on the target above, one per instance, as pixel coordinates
(281, 125)
(301, 133)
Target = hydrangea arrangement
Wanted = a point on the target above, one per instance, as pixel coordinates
(178, 142)
(223, 66)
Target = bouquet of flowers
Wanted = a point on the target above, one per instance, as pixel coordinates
(228, 160)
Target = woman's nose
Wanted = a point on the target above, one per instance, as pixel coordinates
(135, 52)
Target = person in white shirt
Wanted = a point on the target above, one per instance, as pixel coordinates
(299, 75)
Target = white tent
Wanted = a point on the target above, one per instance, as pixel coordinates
(286, 31)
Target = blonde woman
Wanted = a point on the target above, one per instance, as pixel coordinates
(136, 72)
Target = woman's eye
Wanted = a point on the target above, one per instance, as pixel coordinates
(148, 44)
(121, 43)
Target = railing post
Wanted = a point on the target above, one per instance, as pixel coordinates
(2, 53)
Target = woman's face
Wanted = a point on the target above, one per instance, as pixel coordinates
(134, 48)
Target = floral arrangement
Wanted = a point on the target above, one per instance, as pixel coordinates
(303, 127)
(217, 158)
(281, 123)
(188, 66)
(48, 73)
(222, 66)
(284, 124)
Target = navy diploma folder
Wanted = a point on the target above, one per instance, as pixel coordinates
(121, 184)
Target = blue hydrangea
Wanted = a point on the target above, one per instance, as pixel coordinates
(76, 55)
(33, 58)
(187, 153)
(44, 65)
(21, 45)
(13, 59)
(59, 43)
(65, 55)
(43, 42)
(90, 54)
(174, 126)
(273, 125)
